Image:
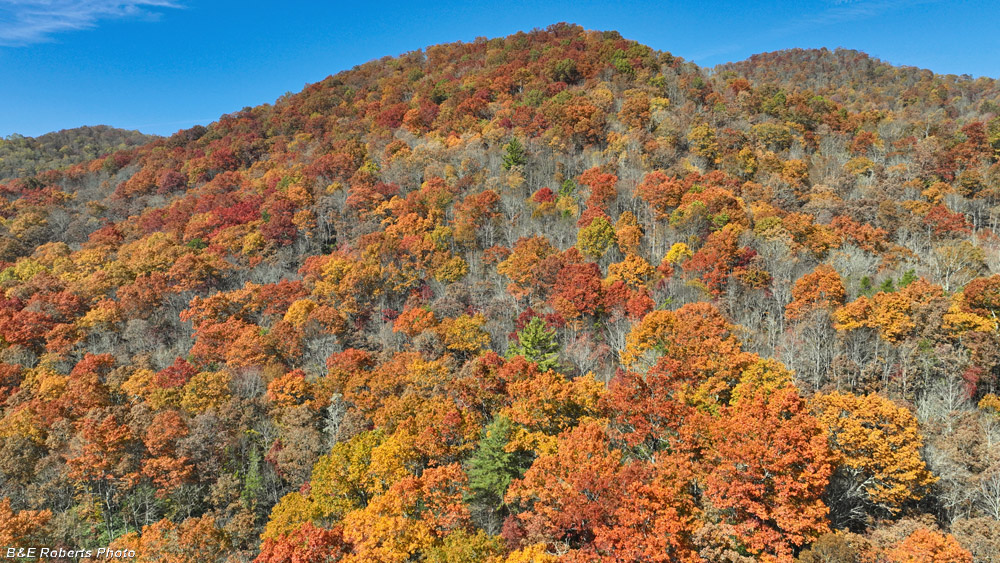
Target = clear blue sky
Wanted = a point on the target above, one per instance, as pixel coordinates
(162, 65)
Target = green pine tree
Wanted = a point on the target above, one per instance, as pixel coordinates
(252, 481)
(492, 467)
(909, 277)
(537, 344)
(867, 289)
(515, 155)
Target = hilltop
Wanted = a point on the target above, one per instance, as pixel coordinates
(552, 296)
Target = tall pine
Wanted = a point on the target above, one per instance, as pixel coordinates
(492, 467)
(514, 155)
(537, 344)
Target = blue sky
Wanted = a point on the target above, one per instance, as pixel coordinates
(163, 65)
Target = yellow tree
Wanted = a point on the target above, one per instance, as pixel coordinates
(411, 519)
(341, 482)
(877, 444)
(889, 313)
(634, 270)
(596, 238)
(464, 334)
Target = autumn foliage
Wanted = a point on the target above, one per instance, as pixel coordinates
(548, 297)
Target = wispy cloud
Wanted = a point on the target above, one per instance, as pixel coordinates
(843, 11)
(23, 22)
(714, 51)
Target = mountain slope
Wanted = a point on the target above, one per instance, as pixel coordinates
(549, 296)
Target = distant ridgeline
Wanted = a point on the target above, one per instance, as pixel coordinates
(22, 156)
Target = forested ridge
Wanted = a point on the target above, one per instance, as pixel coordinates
(548, 297)
(22, 156)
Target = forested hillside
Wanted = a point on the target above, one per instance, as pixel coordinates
(22, 156)
(549, 297)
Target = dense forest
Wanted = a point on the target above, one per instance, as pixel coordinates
(22, 156)
(548, 297)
